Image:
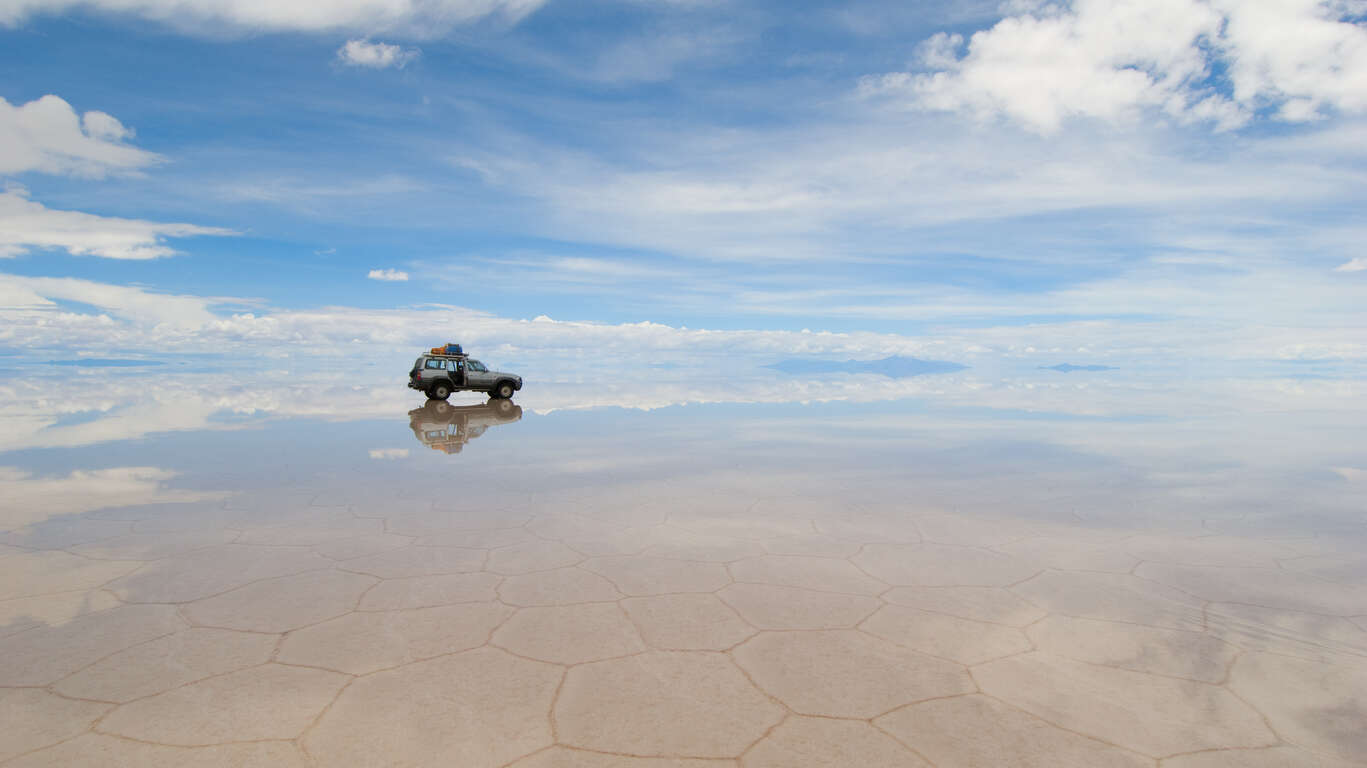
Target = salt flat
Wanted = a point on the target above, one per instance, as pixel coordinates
(826, 585)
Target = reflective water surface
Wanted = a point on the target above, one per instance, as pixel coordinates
(1036, 569)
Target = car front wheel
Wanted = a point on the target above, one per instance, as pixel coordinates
(504, 390)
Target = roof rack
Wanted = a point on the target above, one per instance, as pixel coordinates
(461, 356)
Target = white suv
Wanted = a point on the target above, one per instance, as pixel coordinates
(440, 375)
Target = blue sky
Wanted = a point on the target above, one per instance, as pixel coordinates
(1099, 180)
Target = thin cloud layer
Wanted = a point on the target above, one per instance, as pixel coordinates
(418, 18)
(1225, 316)
(46, 135)
(1220, 62)
(388, 275)
(861, 187)
(26, 225)
(363, 53)
(132, 318)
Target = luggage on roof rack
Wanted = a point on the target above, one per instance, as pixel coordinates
(448, 349)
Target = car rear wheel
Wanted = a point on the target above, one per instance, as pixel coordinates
(504, 390)
(439, 392)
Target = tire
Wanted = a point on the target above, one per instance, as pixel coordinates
(503, 391)
(439, 391)
(504, 407)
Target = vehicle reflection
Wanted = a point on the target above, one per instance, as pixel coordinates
(445, 427)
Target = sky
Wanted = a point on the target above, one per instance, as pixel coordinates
(1089, 182)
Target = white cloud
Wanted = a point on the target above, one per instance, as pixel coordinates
(130, 311)
(27, 225)
(419, 18)
(1358, 264)
(363, 53)
(389, 453)
(388, 275)
(46, 135)
(1114, 59)
(102, 125)
(940, 50)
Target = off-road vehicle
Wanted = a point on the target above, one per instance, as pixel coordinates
(439, 375)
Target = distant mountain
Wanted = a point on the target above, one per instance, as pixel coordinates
(1069, 368)
(894, 367)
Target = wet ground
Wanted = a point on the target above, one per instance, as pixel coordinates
(1045, 572)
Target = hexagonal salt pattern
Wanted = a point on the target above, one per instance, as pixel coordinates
(98, 749)
(167, 662)
(588, 630)
(817, 741)
(1150, 714)
(663, 703)
(481, 708)
(570, 634)
(846, 673)
(271, 701)
(35, 719)
(975, 730)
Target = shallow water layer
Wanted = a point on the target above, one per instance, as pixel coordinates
(1043, 572)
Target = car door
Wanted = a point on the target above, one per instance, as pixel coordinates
(477, 376)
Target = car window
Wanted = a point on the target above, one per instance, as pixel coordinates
(476, 365)
(433, 364)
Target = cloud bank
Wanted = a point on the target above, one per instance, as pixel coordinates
(1220, 62)
(33, 316)
(1279, 314)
